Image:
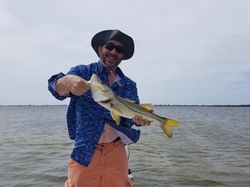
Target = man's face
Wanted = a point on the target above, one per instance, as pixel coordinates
(111, 54)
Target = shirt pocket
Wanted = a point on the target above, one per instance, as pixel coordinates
(89, 106)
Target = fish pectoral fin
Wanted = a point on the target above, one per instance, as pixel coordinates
(116, 118)
(147, 106)
(115, 111)
(167, 130)
(116, 108)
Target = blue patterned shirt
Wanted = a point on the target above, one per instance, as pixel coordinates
(86, 118)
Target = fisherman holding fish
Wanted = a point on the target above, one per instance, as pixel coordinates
(99, 157)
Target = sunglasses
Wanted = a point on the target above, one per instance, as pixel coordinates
(110, 46)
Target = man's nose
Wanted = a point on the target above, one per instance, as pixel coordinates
(114, 50)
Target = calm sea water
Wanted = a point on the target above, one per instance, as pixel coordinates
(210, 148)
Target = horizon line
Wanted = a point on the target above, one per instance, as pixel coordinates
(233, 105)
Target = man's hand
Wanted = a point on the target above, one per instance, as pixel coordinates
(140, 121)
(72, 83)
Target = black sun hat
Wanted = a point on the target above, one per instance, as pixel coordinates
(102, 37)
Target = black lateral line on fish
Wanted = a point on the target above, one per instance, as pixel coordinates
(141, 110)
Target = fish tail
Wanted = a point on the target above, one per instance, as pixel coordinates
(167, 126)
(171, 122)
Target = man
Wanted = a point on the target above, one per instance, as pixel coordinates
(99, 157)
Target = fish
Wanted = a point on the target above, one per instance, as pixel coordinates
(123, 107)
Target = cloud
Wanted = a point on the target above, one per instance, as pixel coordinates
(187, 52)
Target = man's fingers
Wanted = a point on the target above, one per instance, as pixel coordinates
(139, 120)
(79, 86)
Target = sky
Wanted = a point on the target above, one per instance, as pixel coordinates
(186, 51)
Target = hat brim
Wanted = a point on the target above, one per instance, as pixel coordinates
(102, 37)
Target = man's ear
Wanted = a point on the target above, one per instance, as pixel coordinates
(99, 50)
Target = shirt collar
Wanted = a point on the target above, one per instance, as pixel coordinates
(119, 74)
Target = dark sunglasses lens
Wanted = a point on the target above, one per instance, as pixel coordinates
(119, 49)
(111, 46)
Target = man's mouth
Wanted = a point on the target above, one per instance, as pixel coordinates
(112, 57)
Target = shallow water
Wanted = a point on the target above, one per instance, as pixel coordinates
(210, 148)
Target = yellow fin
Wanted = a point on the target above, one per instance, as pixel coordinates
(147, 106)
(167, 130)
(116, 118)
(116, 109)
(171, 122)
(166, 127)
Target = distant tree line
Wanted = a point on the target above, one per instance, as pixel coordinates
(164, 105)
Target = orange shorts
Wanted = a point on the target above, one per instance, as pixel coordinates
(107, 168)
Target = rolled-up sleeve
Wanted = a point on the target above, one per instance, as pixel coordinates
(52, 86)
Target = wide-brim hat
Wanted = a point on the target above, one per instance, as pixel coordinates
(102, 37)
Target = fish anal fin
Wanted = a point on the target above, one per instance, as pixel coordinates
(167, 130)
(147, 106)
(116, 118)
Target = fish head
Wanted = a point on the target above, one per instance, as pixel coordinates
(101, 93)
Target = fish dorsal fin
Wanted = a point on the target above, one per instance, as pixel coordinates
(116, 118)
(147, 106)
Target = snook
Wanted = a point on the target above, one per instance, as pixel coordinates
(118, 106)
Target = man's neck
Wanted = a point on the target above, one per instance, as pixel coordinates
(109, 69)
(111, 77)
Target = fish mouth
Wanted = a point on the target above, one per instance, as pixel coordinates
(105, 101)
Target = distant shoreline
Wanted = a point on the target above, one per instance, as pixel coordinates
(248, 105)
(157, 105)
